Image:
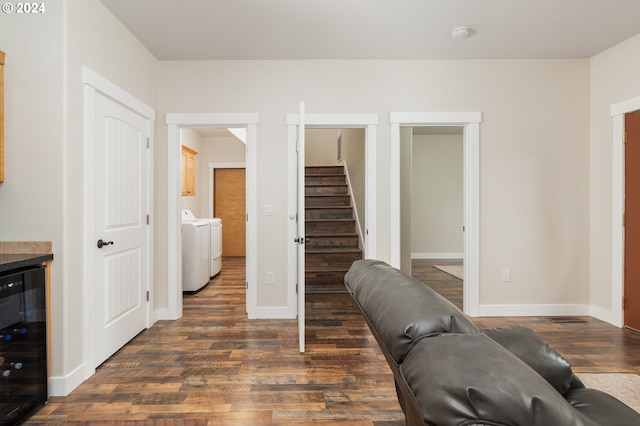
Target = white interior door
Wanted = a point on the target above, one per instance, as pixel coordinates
(121, 229)
(301, 231)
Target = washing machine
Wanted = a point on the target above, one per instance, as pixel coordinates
(195, 255)
(215, 240)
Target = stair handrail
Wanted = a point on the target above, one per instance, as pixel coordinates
(353, 205)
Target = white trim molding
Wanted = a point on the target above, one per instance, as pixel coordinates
(93, 85)
(618, 111)
(174, 122)
(369, 122)
(470, 122)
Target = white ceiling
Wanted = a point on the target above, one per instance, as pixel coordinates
(377, 29)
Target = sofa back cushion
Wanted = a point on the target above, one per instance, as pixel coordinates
(536, 353)
(470, 379)
(402, 309)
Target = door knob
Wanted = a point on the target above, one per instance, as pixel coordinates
(103, 243)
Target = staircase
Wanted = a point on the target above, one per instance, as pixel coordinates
(330, 229)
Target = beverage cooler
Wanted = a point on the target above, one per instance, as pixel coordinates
(23, 343)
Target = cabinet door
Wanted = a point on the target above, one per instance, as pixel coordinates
(188, 171)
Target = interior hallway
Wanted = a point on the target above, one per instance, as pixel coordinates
(215, 367)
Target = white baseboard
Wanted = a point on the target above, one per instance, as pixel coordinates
(437, 256)
(533, 310)
(275, 312)
(606, 316)
(165, 314)
(62, 386)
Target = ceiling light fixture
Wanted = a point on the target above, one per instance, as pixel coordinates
(461, 33)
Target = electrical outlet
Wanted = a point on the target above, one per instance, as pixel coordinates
(267, 210)
(270, 278)
(506, 275)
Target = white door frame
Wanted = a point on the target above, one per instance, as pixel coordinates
(94, 83)
(369, 122)
(618, 112)
(174, 258)
(470, 121)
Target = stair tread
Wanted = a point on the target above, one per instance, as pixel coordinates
(333, 268)
(325, 184)
(330, 220)
(332, 249)
(333, 234)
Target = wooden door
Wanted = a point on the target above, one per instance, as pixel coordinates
(632, 221)
(229, 204)
(121, 195)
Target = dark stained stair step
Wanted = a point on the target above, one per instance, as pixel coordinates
(327, 200)
(324, 170)
(333, 256)
(327, 241)
(330, 226)
(326, 190)
(325, 179)
(336, 212)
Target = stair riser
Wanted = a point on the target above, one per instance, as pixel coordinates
(335, 241)
(330, 227)
(331, 259)
(325, 180)
(328, 213)
(327, 190)
(324, 170)
(341, 200)
(330, 279)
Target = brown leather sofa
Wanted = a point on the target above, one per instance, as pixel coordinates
(449, 372)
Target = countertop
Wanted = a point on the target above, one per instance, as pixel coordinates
(9, 262)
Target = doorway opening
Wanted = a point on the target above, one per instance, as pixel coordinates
(217, 190)
(297, 123)
(176, 123)
(432, 205)
(470, 124)
(335, 206)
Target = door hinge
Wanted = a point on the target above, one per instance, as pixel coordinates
(147, 295)
(624, 137)
(624, 303)
(247, 284)
(148, 219)
(148, 143)
(297, 146)
(296, 288)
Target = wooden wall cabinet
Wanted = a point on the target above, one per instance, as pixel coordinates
(1, 116)
(188, 171)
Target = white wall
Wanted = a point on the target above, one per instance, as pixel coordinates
(353, 155)
(32, 196)
(614, 78)
(437, 197)
(545, 123)
(321, 147)
(44, 146)
(535, 123)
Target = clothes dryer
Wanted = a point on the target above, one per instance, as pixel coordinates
(195, 255)
(215, 240)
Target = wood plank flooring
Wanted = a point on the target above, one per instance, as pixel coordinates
(215, 367)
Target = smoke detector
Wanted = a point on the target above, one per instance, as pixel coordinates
(460, 33)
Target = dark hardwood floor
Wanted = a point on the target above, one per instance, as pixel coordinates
(215, 367)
